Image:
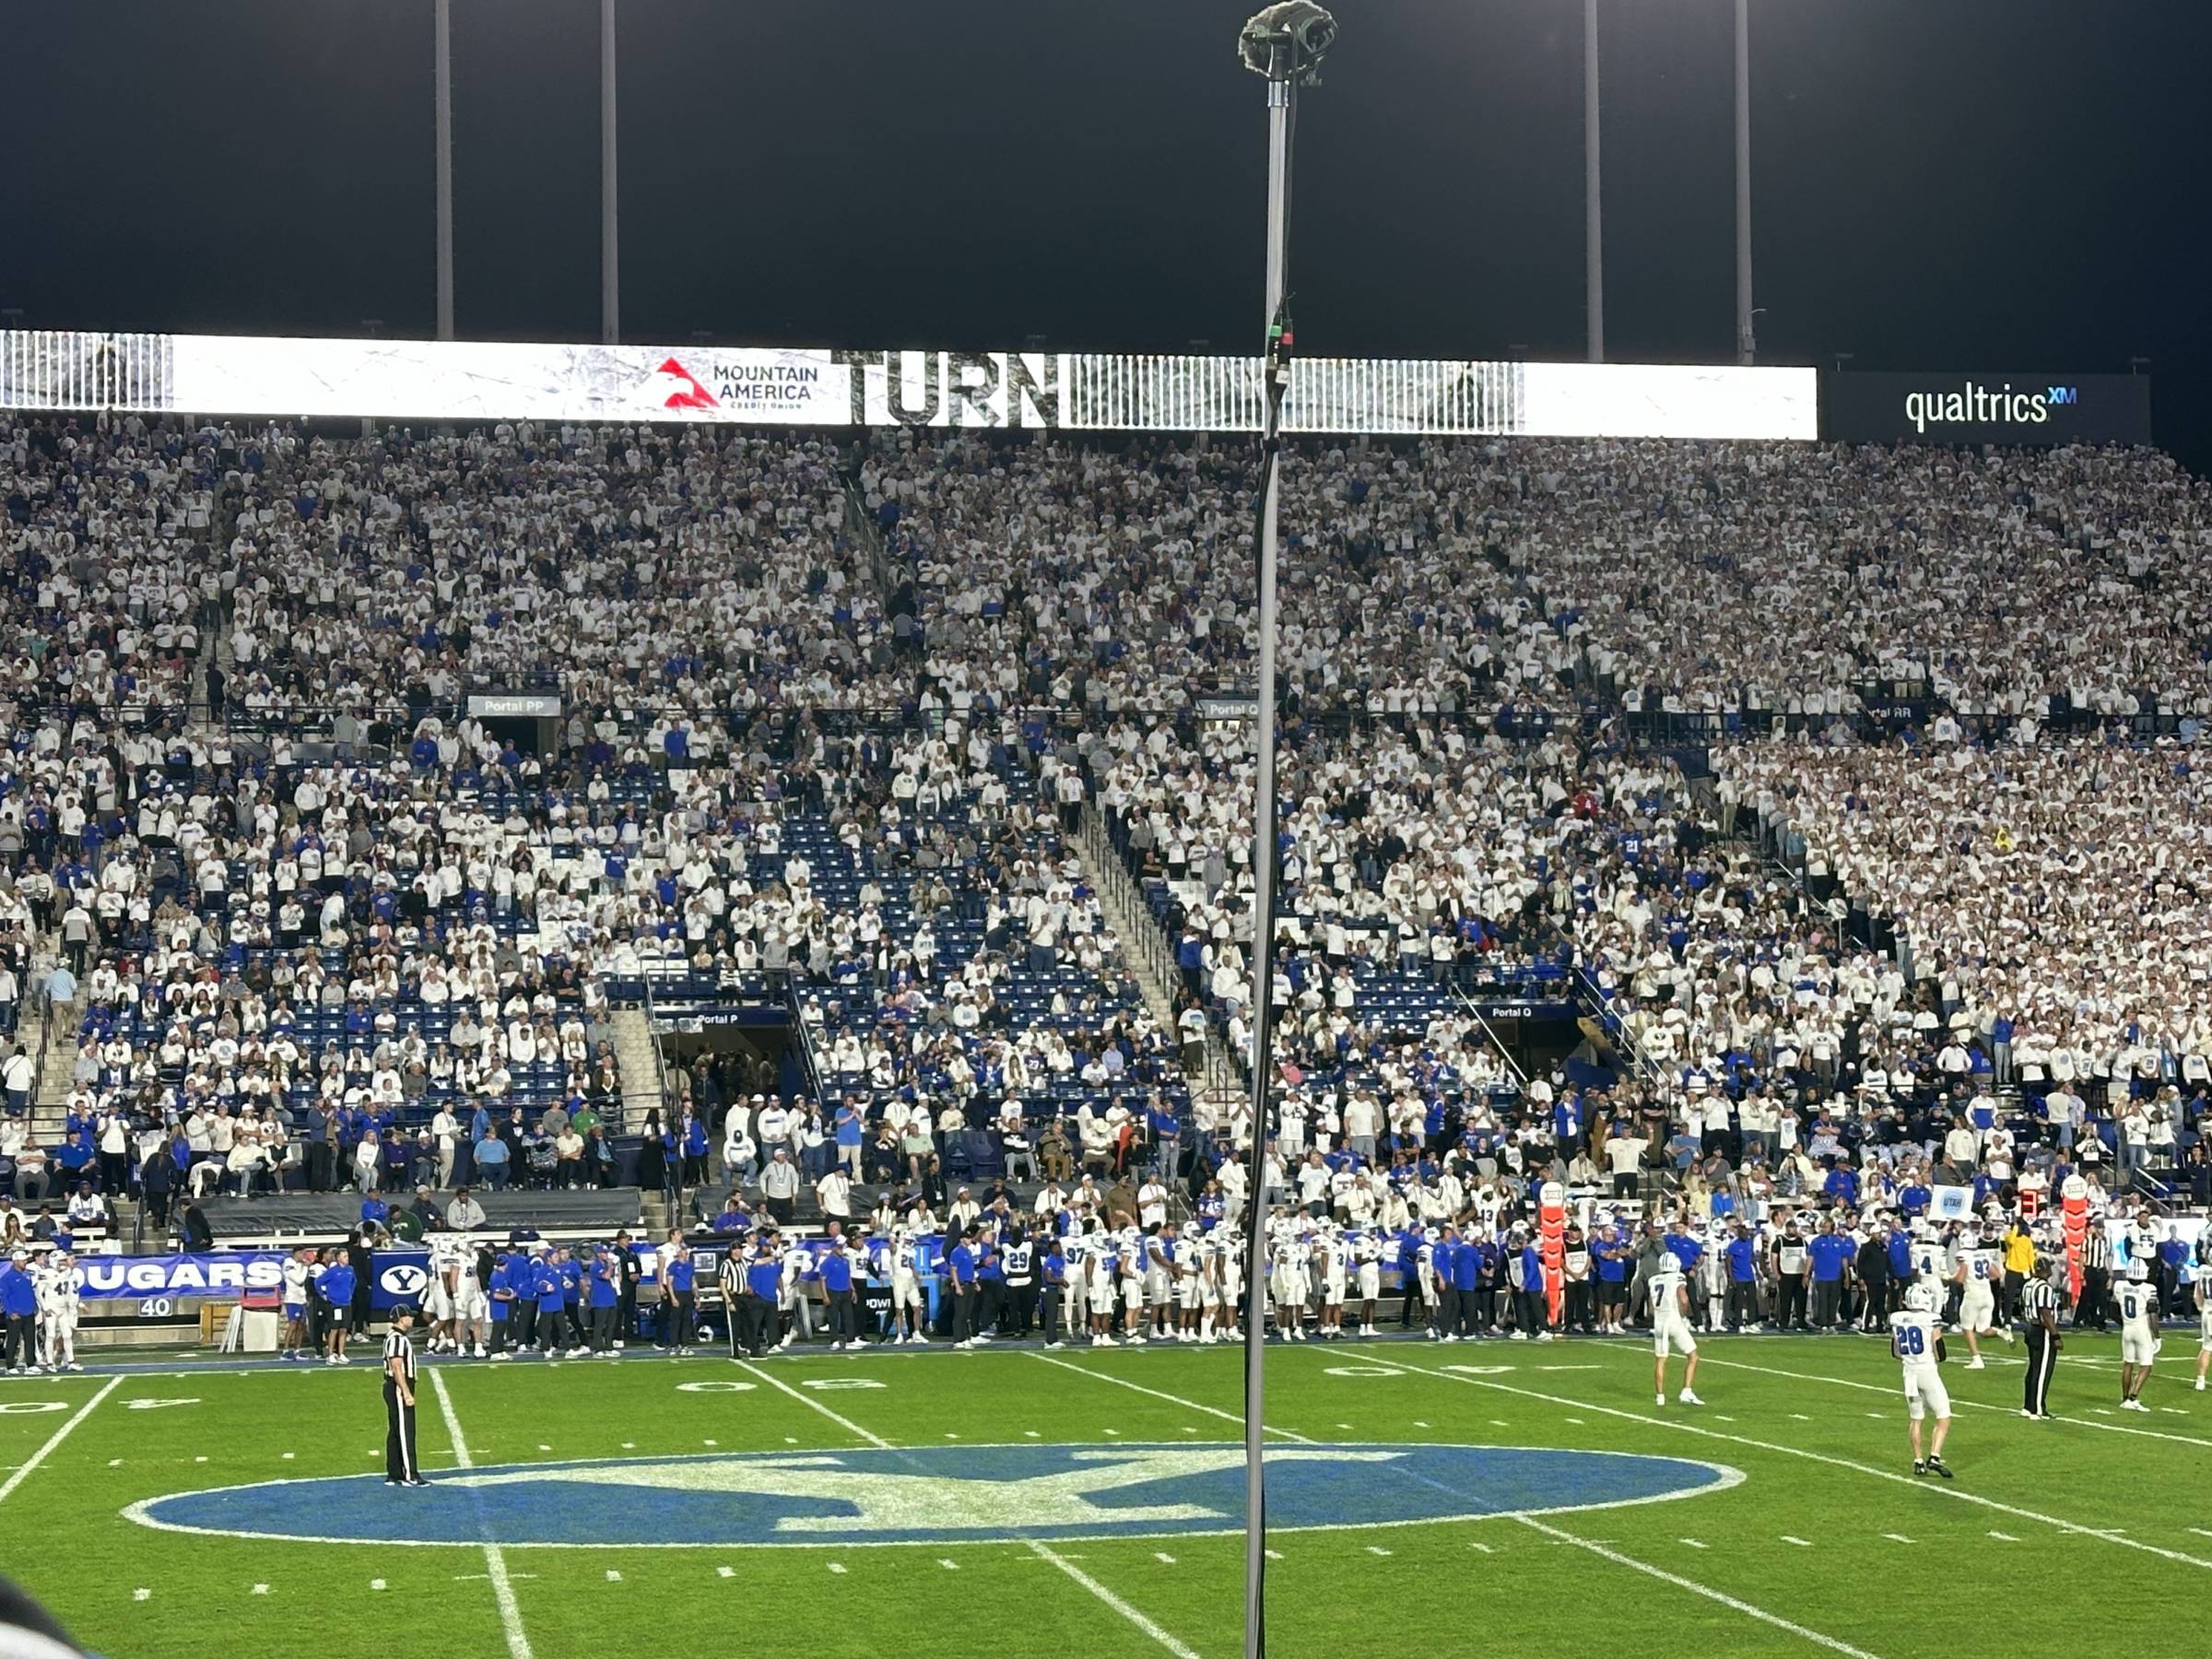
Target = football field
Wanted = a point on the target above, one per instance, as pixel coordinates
(1512, 1497)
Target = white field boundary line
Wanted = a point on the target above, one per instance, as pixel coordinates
(1558, 1533)
(2183, 1440)
(1158, 1633)
(55, 1439)
(1947, 1490)
(495, 1558)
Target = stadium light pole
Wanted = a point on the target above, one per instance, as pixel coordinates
(1747, 344)
(1593, 227)
(610, 274)
(441, 22)
(1285, 44)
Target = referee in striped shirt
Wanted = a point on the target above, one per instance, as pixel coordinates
(2039, 1312)
(400, 1469)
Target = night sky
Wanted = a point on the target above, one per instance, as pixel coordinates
(1937, 184)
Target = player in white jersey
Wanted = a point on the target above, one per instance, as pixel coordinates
(910, 1307)
(1980, 1267)
(1159, 1284)
(2203, 1324)
(1367, 1259)
(56, 1283)
(1670, 1328)
(791, 1301)
(2139, 1302)
(1103, 1272)
(1185, 1265)
(294, 1299)
(1231, 1276)
(437, 1299)
(1287, 1289)
(1136, 1260)
(1074, 1255)
(472, 1308)
(1333, 1258)
(1914, 1332)
(1927, 1255)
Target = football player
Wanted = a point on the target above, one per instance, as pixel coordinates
(1913, 1339)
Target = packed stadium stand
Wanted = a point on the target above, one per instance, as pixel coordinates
(1836, 805)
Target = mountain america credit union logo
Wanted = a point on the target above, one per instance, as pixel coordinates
(938, 1495)
(675, 388)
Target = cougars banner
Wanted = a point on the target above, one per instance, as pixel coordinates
(137, 1277)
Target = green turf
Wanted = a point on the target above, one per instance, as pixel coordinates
(2090, 1521)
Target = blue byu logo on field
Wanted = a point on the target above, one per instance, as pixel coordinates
(935, 1495)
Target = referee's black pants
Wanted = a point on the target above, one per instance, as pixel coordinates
(2096, 1296)
(2042, 1359)
(399, 1437)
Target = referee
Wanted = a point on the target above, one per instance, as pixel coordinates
(400, 1468)
(2039, 1312)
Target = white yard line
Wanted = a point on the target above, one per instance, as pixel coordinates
(1159, 1634)
(495, 1558)
(1804, 1632)
(1558, 1533)
(59, 1435)
(1769, 1370)
(1948, 1488)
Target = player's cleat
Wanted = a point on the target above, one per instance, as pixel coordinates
(1920, 1465)
(1938, 1466)
(1975, 1364)
(2200, 1386)
(1687, 1398)
(1662, 1400)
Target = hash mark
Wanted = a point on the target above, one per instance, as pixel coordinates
(1163, 1557)
(950, 1566)
(261, 1589)
(1896, 1537)
(613, 1576)
(1377, 1550)
(837, 1567)
(1275, 1555)
(1484, 1547)
(2004, 1537)
(725, 1572)
(142, 1595)
(376, 1583)
(1693, 1543)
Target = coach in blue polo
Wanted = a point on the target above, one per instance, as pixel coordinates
(757, 1308)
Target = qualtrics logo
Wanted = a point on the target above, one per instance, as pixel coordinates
(677, 390)
(1975, 404)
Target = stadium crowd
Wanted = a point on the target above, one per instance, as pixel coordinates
(833, 717)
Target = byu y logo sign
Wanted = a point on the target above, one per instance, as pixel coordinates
(936, 1495)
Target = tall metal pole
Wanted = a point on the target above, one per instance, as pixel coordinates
(1746, 347)
(1594, 230)
(442, 54)
(611, 259)
(1285, 44)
